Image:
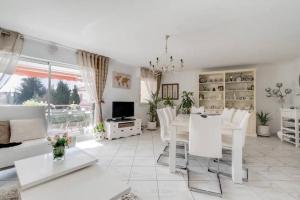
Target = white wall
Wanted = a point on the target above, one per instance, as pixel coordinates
(53, 52)
(116, 94)
(48, 51)
(267, 76)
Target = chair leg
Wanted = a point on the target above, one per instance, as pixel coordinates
(202, 190)
(185, 154)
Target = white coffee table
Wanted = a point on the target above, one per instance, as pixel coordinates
(76, 178)
(92, 183)
(39, 169)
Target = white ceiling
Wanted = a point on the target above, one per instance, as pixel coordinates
(205, 33)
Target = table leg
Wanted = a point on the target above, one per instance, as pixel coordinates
(172, 149)
(237, 157)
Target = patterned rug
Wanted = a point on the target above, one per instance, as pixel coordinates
(11, 192)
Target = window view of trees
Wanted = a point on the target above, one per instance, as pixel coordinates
(31, 88)
(62, 95)
(30, 84)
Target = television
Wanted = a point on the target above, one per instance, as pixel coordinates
(121, 109)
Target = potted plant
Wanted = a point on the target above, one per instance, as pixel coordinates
(59, 143)
(263, 129)
(99, 131)
(153, 104)
(168, 102)
(187, 102)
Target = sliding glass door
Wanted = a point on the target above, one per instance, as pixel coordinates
(58, 87)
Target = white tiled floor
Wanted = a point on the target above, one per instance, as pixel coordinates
(274, 170)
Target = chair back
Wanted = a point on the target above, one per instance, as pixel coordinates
(228, 114)
(205, 136)
(244, 125)
(195, 110)
(167, 116)
(239, 116)
(163, 124)
(169, 112)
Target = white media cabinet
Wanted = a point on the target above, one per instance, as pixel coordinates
(119, 129)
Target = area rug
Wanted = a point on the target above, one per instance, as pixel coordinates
(11, 192)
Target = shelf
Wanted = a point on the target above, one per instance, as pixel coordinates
(211, 83)
(239, 100)
(288, 140)
(288, 129)
(239, 90)
(239, 82)
(211, 99)
(212, 91)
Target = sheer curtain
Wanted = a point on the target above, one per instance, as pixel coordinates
(11, 45)
(150, 83)
(94, 70)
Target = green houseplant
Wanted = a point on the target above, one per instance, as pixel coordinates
(263, 128)
(187, 102)
(99, 130)
(153, 104)
(168, 102)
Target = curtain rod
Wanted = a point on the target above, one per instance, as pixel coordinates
(52, 62)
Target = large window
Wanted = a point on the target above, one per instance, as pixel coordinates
(28, 83)
(60, 88)
(148, 85)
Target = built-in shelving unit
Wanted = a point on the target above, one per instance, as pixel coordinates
(230, 89)
(290, 126)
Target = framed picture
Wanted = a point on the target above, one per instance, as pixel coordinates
(170, 91)
(121, 80)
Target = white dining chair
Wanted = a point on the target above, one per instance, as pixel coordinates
(227, 142)
(169, 112)
(205, 141)
(181, 137)
(237, 120)
(227, 114)
(197, 110)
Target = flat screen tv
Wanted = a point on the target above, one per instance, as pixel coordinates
(122, 109)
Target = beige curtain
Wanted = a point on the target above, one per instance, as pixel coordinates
(11, 45)
(158, 76)
(94, 70)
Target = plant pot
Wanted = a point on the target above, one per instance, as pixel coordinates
(59, 153)
(263, 131)
(99, 136)
(151, 125)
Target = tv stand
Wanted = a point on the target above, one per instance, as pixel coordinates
(121, 119)
(120, 128)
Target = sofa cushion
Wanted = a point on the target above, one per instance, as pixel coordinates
(4, 132)
(27, 129)
(26, 149)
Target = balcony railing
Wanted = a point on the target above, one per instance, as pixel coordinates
(74, 119)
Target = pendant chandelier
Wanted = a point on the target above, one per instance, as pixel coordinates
(166, 62)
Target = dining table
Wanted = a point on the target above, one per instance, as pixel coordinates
(181, 123)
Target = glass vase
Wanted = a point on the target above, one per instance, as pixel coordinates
(58, 153)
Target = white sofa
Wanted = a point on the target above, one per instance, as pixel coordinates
(28, 148)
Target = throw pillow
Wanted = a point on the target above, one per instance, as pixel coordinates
(27, 129)
(4, 132)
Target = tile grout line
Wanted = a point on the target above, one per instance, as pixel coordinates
(131, 168)
(155, 164)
